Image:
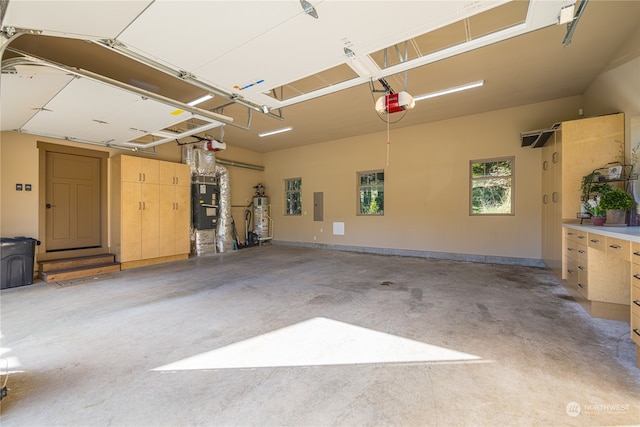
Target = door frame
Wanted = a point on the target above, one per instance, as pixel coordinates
(44, 148)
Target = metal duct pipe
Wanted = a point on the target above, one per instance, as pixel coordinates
(240, 164)
(225, 225)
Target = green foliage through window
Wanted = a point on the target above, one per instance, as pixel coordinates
(293, 196)
(371, 193)
(492, 186)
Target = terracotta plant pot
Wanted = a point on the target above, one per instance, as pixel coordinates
(598, 220)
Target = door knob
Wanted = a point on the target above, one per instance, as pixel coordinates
(49, 206)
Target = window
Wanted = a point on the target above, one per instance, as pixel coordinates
(492, 186)
(371, 193)
(293, 196)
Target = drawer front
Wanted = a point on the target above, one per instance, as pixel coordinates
(597, 241)
(635, 298)
(635, 252)
(576, 235)
(582, 254)
(583, 279)
(572, 272)
(635, 328)
(571, 249)
(618, 248)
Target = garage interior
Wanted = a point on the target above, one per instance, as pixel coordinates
(320, 309)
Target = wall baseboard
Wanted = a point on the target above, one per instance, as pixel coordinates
(488, 259)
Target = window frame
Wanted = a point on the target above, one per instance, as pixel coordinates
(512, 161)
(286, 198)
(359, 187)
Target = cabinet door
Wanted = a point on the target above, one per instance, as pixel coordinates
(150, 220)
(131, 223)
(183, 218)
(174, 173)
(167, 229)
(139, 169)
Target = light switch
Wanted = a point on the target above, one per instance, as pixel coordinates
(18, 187)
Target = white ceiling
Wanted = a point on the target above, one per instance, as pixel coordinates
(242, 49)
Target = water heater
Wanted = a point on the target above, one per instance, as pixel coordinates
(261, 216)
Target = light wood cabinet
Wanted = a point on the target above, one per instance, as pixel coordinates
(576, 148)
(150, 210)
(596, 268)
(634, 255)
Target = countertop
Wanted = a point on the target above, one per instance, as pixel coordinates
(626, 233)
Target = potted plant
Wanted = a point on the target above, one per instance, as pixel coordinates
(592, 190)
(616, 202)
(593, 208)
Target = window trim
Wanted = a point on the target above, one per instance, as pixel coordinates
(285, 208)
(359, 186)
(512, 160)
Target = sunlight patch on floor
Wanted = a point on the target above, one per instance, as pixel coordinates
(320, 341)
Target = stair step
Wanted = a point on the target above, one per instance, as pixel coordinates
(79, 272)
(69, 263)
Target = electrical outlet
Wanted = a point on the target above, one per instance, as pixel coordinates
(18, 187)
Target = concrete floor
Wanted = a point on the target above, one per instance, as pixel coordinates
(278, 335)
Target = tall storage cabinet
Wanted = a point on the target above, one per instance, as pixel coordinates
(150, 211)
(576, 148)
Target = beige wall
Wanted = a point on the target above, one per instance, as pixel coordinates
(19, 159)
(426, 185)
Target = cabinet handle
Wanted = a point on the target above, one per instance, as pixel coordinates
(144, 206)
(176, 180)
(580, 237)
(581, 286)
(554, 157)
(570, 271)
(636, 276)
(144, 177)
(581, 251)
(139, 206)
(615, 246)
(581, 268)
(637, 302)
(545, 165)
(595, 241)
(139, 176)
(637, 331)
(570, 249)
(554, 197)
(636, 253)
(545, 199)
(570, 233)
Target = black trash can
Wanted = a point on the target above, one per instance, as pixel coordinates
(17, 255)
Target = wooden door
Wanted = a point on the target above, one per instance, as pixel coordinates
(73, 199)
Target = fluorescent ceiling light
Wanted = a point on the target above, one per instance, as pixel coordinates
(448, 91)
(200, 100)
(273, 132)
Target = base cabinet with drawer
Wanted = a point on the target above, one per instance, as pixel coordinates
(635, 297)
(605, 280)
(597, 274)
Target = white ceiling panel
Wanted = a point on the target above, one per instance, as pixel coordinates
(187, 34)
(24, 92)
(92, 111)
(85, 19)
